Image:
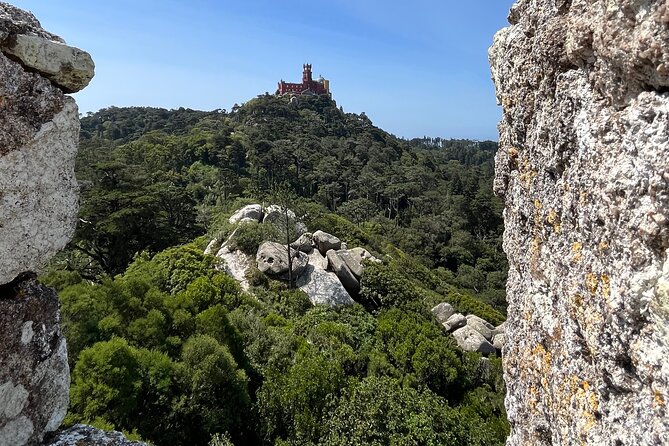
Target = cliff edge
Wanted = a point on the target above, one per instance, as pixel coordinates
(583, 166)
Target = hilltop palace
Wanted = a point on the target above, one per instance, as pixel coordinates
(319, 86)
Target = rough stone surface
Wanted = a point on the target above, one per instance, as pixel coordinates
(482, 326)
(583, 168)
(498, 341)
(14, 21)
(323, 287)
(27, 101)
(318, 260)
(272, 259)
(342, 271)
(39, 195)
(443, 311)
(69, 68)
(471, 340)
(325, 242)
(251, 211)
(235, 264)
(34, 374)
(456, 321)
(275, 215)
(304, 243)
(82, 435)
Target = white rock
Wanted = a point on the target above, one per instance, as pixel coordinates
(236, 264)
(325, 242)
(39, 196)
(323, 287)
(482, 326)
(70, 68)
(456, 320)
(471, 340)
(443, 311)
(251, 211)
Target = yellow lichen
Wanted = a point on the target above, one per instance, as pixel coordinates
(577, 256)
(606, 286)
(554, 220)
(658, 402)
(583, 198)
(591, 283)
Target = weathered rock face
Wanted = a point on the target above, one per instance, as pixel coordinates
(325, 242)
(34, 375)
(252, 212)
(471, 340)
(272, 258)
(583, 166)
(343, 272)
(455, 321)
(323, 287)
(39, 133)
(443, 312)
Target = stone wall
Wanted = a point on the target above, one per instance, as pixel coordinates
(583, 166)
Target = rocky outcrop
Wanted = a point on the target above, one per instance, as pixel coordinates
(304, 243)
(582, 166)
(82, 435)
(454, 322)
(323, 287)
(443, 312)
(34, 374)
(284, 220)
(471, 340)
(39, 133)
(251, 212)
(272, 259)
(347, 278)
(325, 242)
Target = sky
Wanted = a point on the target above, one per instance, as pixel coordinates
(416, 68)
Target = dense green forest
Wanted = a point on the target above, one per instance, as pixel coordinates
(166, 348)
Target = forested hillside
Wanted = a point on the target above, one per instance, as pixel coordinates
(163, 345)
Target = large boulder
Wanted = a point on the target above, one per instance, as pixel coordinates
(325, 242)
(342, 271)
(34, 374)
(69, 68)
(583, 168)
(354, 259)
(454, 322)
(482, 326)
(318, 260)
(272, 259)
(443, 311)
(284, 220)
(471, 340)
(251, 212)
(498, 341)
(304, 243)
(236, 264)
(323, 287)
(39, 135)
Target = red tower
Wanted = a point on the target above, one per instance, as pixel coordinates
(308, 86)
(306, 74)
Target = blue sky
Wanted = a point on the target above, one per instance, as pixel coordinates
(417, 68)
